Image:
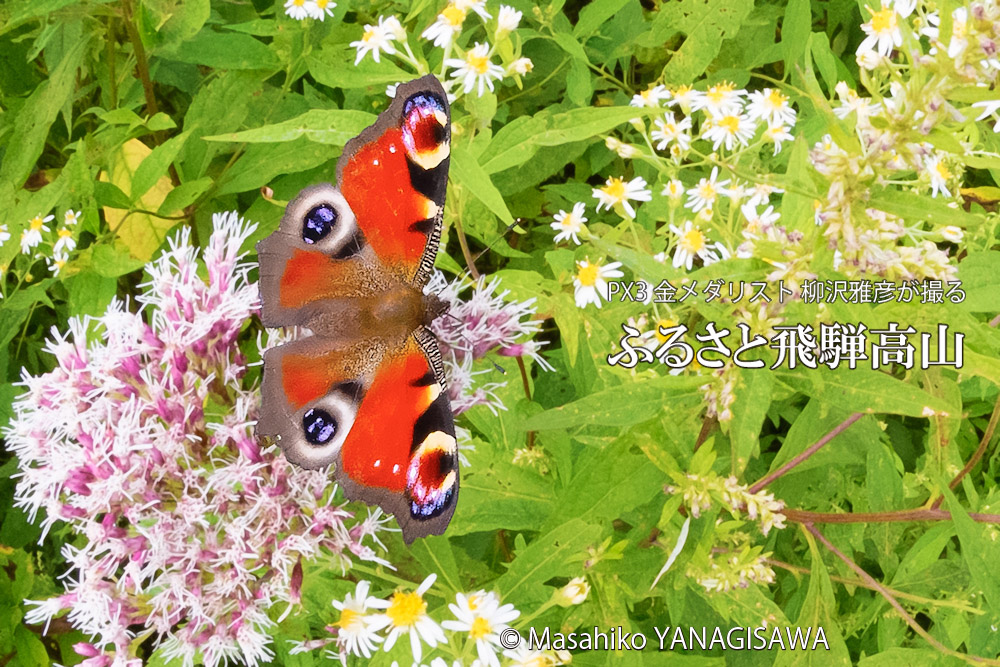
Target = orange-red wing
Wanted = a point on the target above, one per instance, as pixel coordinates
(394, 177)
(403, 444)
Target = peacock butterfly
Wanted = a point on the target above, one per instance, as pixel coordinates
(349, 262)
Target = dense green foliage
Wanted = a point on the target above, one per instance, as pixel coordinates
(147, 116)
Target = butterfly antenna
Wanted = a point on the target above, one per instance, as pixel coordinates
(503, 234)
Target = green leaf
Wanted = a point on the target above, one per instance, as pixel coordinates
(333, 127)
(863, 390)
(224, 50)
(753, 398)
(915, 208)
(819, 610)
(977, 552)
(795, 29)
(705, 24)
(435, 554)
(502, 496)
(547, 557)
(32, 122)
(155, 165)
(518, 141)
(978, 272)
(594, 14)
(90, 293)
(110, 195)
(166, 22)
(625, 405)
(467, 174)
(328, 67)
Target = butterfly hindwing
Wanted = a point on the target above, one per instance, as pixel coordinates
(381, 415)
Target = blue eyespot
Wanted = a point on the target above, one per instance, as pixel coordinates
(319, 426)
(318, 223)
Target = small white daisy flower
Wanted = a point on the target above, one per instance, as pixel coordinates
(299, 9)
(64, 241)
(777, 134)
(483, 617)
(354, 627)
(320, 9)
(573, 593)
(406, 613)
(771, 106)
(520, 66)
(673, 189)
(704, 194)
(722, 99)
(952, 233)
(569, 224)
(939, 174)
(4, 234)
(508, 19)
(378, 39)
(56, 262)
(761, 193)
(476, 69)
(590, 283)
(728, 131)
(651, 97)
(990, 108)
(758, 222)
(32, 236)
(669, 130)
(619, 191)
(883, 32)
(685, 98)
(691, 242)
(71, 217)
(449, 22)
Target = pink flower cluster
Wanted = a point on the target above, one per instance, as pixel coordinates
(141, 439)
(472, 328)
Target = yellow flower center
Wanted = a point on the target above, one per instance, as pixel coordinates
(693, 240)
(348, 618)
(322, 3)
(884, 21)
(730, 123)
(718, 93)
(569, 222)
(942, 171)
(480, 628)
(588, 274)
(37, 223)
(706, 191)
(776, 99)
(474, 599)
(683, 92)
(405, 608)
(453, 15)
(299, 3)
(478, 64)
(666, 323)
(65, 233)
(615, 189)
(368, 36)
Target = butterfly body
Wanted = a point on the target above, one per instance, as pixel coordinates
(365, 391)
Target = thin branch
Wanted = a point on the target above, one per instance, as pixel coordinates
(819, 444)
(887, 594)
(530, 437)
(916, 599)
(980, 451)
(141, 64)
(895, 516)
(470, 262)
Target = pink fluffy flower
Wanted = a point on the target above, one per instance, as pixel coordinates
(141, 440)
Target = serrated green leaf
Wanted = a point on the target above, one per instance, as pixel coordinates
(467, 174)
(333, 127)
(625, 405)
